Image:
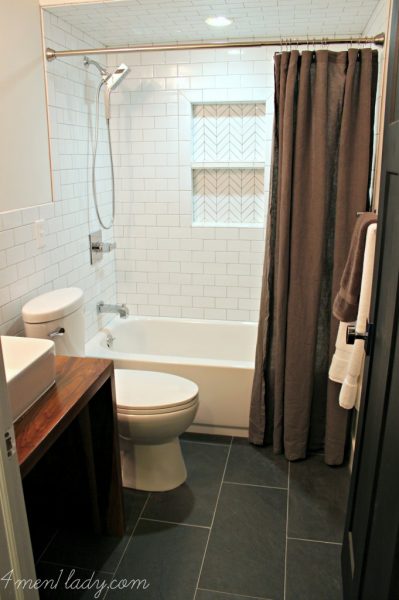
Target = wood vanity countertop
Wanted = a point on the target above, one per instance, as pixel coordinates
(77, 381)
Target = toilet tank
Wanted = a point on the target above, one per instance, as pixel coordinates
(57, 315)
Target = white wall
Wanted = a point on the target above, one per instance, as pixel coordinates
(25, 270)
(24, 166)
(166, 267)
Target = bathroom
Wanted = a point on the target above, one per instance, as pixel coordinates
(148, 230)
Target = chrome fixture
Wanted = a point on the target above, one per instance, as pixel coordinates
(88, 61)
(59, 332)
(103, 246)
(377, 40)
(120, 309)
(110, 81)
(109, 340)
(98, 247)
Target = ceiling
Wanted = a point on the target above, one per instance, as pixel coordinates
(132, 22)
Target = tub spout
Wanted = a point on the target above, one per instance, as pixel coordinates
(120, 309)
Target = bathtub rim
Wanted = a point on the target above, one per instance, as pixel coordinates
(98, 342)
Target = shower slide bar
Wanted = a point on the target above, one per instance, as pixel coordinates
(377, 40)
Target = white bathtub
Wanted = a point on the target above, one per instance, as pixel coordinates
(218, 355)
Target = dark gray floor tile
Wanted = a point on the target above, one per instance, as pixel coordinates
(317, 503)
(206, 438)
(85, 550)
(210, 595)
(168, 557)
(194, 501)
(41, 535)
(61, 583)
(134, 501)
(256, 465)
(246, 549)
(313, 571)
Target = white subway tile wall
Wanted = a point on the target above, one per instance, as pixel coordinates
(165, 266)
(25, 270)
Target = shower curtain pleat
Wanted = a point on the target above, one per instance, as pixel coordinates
(322, 142)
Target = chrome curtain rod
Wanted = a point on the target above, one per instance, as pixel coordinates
(377, 40)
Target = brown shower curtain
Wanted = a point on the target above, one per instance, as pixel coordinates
(323, 134)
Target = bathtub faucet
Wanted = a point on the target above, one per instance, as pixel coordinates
(121, 309)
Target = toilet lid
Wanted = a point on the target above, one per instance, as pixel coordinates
(52, 305)
(149, 390)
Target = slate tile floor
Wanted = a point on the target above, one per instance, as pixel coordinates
(246, 525)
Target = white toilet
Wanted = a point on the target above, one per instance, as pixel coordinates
(153, 408)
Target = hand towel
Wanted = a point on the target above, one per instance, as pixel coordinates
(342, 354)
(350, 387)
(346, 303)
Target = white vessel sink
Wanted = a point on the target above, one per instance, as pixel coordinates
(30, 370)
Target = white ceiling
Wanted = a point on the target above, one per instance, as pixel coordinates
(131, 22)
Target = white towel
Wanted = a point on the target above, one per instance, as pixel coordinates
(351, 384)
(342, 355)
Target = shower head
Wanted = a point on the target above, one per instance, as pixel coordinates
(109, 80)
(114, 79)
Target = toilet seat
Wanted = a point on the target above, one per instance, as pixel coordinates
(151, 392)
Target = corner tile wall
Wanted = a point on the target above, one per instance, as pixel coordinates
(25, 270)
(165, 266)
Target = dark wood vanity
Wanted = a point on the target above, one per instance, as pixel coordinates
(68, 447)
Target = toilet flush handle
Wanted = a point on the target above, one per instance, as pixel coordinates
(56, 333)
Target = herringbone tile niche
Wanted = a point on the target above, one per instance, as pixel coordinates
(228, 164)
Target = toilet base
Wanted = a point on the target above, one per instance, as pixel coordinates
(152, 468)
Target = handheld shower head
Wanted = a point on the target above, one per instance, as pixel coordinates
(111, 83)
(110, 80)
(115, 78)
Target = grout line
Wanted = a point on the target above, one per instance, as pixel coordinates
(314, 541)
(47, 546)
(174, 523)
(185, 440)
(130, 539)
(213, 519)
(286, 531)
(270, 487)
(230, 594)
(88, 569)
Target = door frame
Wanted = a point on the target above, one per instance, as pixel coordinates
(353, 578)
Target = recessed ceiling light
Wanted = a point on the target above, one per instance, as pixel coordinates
(218, 21)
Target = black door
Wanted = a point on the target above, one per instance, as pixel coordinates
(370, 555)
